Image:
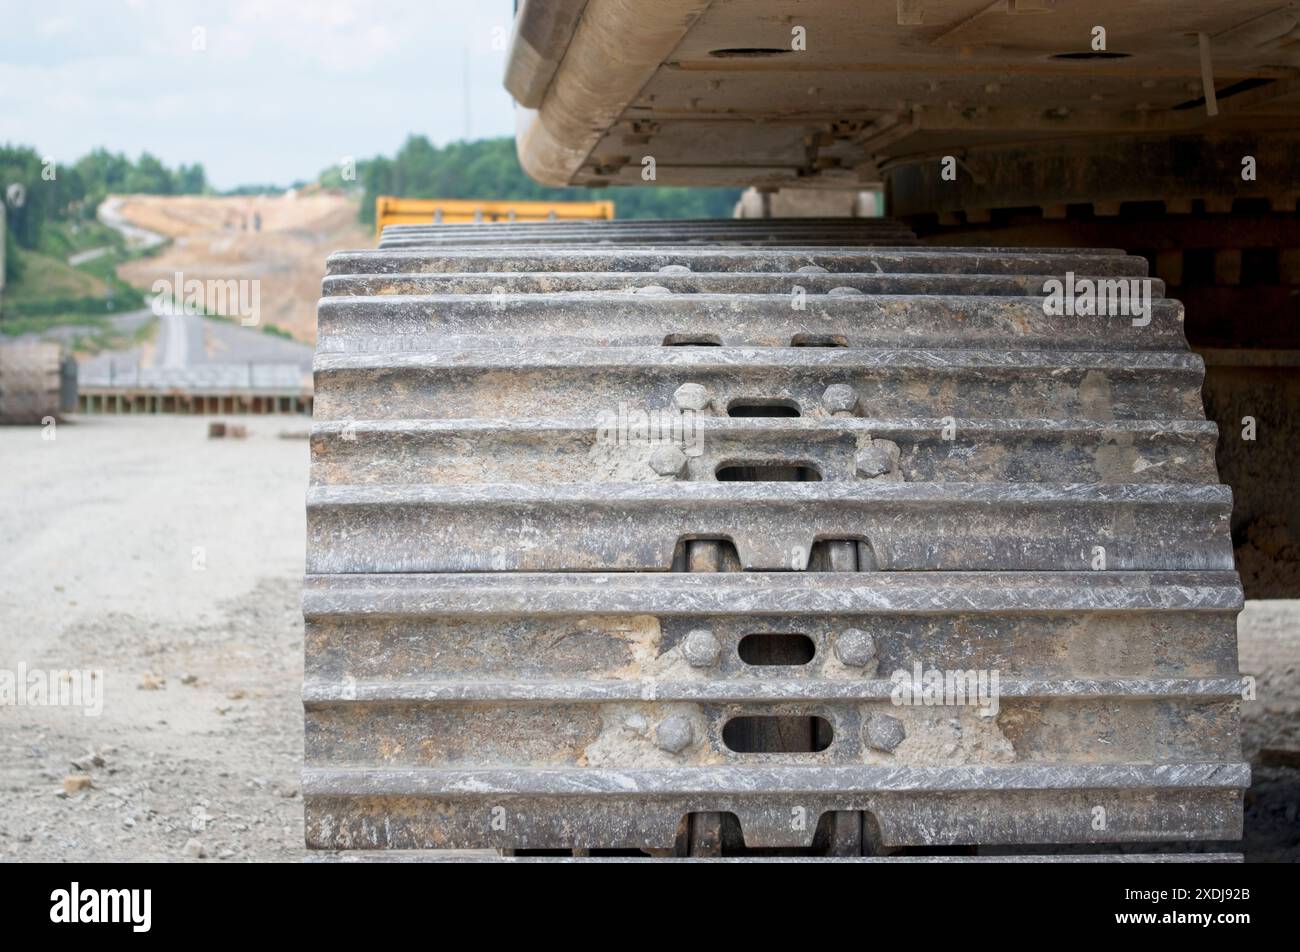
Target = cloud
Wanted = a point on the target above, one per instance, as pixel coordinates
(55, 26)
(278, 90)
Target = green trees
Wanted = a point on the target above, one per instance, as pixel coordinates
(488, 169)
(150, 177)
(103, 172)
(191, 180)
(53, 192)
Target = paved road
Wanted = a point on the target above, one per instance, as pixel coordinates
(81, 257)
(136, 237)
(184, 340)
(180, 335)
(180, 338)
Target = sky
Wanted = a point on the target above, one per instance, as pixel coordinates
(258, 91)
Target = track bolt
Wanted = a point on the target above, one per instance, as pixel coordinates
(877, 459)
(811, 269)
(636, 723)
(668, 461)
(674, 734)
(840, 398)
(855, 648)
(674, 269)
(843, 291)
(885, 732)
(701, 648)
(691, 396)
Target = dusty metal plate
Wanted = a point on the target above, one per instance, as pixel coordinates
(685, 281)
(583, 808)
(928, 260)
(640, 319)
(909, 526)
(520, 383)
(404, 451)
(735, 231)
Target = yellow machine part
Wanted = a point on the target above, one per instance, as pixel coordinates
(418, 211)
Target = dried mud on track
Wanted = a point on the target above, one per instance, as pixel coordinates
(198, 751)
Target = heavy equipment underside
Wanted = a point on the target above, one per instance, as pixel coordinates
(836, 536)
(1169, 128)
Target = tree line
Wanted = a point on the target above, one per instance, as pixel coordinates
(489, 169)
(37, 190)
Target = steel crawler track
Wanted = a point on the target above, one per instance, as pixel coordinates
(704, 537)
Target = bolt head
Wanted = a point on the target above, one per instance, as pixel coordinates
(811, 269)
(843, 291)
(877, 459)
(674, 269)
(668, 461)
(674, 734)
(701, 648)
(691, 396)
(652, 289)
(840, 398)
(885, 732)
(855, 648)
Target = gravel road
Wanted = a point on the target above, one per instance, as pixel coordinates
(172, 563)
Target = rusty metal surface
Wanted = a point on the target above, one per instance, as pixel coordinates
(504, 646)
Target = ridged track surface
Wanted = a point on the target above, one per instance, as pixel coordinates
(507, 557)
(708, 232)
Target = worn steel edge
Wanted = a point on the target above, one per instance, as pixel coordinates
(691, 282)
(640, 260)
(735, 593)
(769, 780)
(321, 692)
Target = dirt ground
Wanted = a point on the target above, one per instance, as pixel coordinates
(215, 238)
(1268, 635)
(171, 562)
